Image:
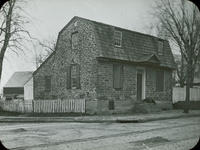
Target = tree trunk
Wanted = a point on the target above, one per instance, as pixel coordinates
(1, 61)
(1, 65)
(187, 98)
(188, 86)
(7, 34)
(182, 82)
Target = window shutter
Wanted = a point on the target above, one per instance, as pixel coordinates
(47, 83)
(78, 77)
(117, 76)
(74, 40)
(121, 76)
(69, 77)
(111, 105)
(159, 81)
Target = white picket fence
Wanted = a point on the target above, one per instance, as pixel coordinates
(44, 106)
(180, 93)
(59, 106)
(17, 106)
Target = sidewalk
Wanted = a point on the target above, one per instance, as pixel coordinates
(134, 118)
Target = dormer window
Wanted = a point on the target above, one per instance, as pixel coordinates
(160, 47)
(74, 40)
(118, 38)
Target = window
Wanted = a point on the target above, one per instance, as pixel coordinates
(159, 81)
(73, 77)
(118, 38)
(117, 76)
(74, 39)
(47, 83)
(160, 47)
(111, 105)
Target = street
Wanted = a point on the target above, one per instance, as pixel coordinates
(171, 134)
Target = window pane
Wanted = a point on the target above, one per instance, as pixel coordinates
(74, 40)
(78, 85)
(117, 38)
(75, 76)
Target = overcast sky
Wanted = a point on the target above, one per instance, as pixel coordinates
(48, 17)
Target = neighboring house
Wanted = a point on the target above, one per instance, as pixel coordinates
(20, 85)
(111, 67)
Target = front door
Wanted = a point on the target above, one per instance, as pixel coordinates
(139, 86)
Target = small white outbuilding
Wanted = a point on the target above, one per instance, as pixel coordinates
(28, 89)
(20, 85)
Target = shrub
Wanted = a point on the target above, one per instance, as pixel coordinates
(149, 100)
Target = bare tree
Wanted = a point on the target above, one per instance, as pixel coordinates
(12, 31)
(2, 2)
(181, 71)
(181, 20)
(157, 29)
(42, 50)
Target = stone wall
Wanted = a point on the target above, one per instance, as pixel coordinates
(56, 66)
(125, 99)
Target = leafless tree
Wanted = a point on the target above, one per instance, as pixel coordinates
(12, 31)
(181, 20)
(181, 71)
(42, 50)
(2, 2)
(157, 29)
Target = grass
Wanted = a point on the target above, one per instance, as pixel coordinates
(6, 113)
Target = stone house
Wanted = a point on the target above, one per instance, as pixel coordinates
(111, 67)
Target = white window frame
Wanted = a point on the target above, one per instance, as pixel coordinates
(116, 32)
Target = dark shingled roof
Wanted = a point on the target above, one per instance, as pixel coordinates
(136, 47)
(18, 79)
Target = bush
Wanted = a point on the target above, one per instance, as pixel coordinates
(149, 100)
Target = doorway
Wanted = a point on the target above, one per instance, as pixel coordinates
(140, 84)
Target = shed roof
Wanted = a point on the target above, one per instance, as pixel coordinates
(18, 79)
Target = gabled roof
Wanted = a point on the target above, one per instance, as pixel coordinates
(19, 79)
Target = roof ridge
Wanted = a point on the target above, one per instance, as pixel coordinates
(137, 32)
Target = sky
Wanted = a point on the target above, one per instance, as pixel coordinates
(48, 17)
